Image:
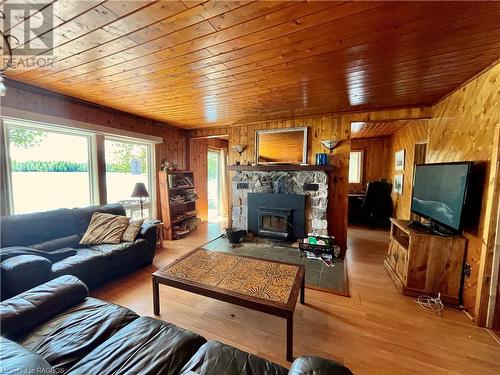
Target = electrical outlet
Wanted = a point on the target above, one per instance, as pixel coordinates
(467, 270)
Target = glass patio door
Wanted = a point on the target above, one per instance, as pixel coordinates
(213, 187)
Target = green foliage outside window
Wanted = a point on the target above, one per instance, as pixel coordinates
(26, 138)
(48, 166)
(213, 161)
(122, 153)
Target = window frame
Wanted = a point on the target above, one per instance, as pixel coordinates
(30, 125)
(94, 156)
(150, 160)
(360, 168)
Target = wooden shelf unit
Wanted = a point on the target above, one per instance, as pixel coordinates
(170, 210)
(176, 221)
(180, 188)
(421, 263)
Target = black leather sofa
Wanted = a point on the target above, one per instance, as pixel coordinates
(56, 328)
(63, 229)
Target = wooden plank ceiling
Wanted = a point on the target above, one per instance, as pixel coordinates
(376, 129)
(208, 63)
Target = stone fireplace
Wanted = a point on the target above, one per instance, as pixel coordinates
(311, 185)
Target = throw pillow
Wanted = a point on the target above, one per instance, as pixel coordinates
(104, 228)
(133, 229)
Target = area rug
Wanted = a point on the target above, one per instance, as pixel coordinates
(318, 275)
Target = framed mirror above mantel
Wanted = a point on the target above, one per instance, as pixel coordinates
(281, 146)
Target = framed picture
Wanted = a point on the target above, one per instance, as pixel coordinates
(397, 187)
(399, 163)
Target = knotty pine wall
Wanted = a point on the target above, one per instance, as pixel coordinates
(326, 126)
(376, 155)
(406, 139)
(464, 127)
(174, 147)
(198, 149)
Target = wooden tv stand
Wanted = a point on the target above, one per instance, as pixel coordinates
(421, 263)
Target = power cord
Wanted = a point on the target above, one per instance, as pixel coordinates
(430, 303)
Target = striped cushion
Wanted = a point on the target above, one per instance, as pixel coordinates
(105, 228)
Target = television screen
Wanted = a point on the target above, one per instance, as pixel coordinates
(439, 192)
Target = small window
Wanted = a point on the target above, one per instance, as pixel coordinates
(128, 162)
(355, 167)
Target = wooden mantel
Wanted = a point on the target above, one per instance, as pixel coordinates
(280, 167)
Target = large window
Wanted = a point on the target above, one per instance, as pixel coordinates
(126, 164)
(49, 169)
(356, 167)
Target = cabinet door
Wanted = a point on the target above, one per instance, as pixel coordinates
(401, 263)
(391, 254)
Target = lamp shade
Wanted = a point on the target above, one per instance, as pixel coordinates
(140, 190)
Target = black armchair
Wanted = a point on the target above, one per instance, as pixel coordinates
(378, 203)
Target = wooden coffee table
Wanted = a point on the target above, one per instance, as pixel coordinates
(259, 284)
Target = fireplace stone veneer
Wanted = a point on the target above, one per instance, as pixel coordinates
(281, 182)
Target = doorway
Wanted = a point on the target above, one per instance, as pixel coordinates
(208, 161)
(214, 184)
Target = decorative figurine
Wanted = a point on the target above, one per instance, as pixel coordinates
(168, 166)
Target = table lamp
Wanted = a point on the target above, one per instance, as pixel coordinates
(140, 191)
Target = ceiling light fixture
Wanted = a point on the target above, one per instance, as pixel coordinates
(356, 127)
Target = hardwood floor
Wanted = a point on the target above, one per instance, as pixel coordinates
(376, 331)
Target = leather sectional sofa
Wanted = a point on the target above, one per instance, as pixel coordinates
(56, 328)
(63, 229)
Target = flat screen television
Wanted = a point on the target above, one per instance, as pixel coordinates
(440, 193)
(285, 146)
